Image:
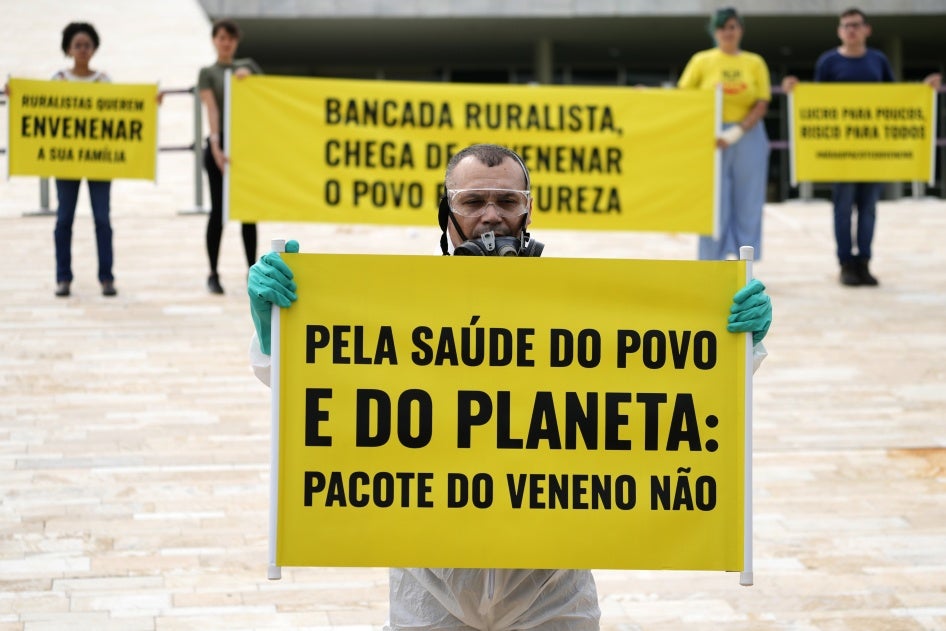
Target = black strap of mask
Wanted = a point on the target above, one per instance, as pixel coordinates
(456, 225)
(523, 235)
(447, 215)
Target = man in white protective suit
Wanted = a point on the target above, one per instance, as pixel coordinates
(485, 210)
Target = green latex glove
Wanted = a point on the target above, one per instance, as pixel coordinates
(270, 283)
(751, 311)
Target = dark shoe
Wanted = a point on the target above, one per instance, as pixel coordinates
(850, 274)
(62, 288)
(108, 288)
(213, 284)
(865, 275)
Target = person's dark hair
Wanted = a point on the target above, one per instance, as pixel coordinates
(74, 28)
(490, 155)
(720, 17)
(227, 25)
(853, 11)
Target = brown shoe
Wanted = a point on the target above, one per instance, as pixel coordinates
(108, 288)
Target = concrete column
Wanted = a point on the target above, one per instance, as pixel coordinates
(894, 51)
(893, 48)
(543, 61)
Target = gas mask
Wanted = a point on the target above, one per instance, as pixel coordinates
(489, 244)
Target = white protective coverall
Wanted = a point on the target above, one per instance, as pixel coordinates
(447, 599)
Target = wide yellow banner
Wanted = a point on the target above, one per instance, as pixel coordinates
(863, 132)
(374, 152)
(71, 129)
(594, 419)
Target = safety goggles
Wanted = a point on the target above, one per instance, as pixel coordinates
(473, 202)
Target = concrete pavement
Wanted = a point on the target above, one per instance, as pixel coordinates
(134, 439)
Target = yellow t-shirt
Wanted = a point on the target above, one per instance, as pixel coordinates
(744, 76)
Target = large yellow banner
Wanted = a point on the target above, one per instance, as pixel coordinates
(71, 129)
(594, 419)
(863, 132)
(374, 152)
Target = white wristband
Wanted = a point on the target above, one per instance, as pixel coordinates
(732, 134)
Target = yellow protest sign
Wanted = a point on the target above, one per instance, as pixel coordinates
(594, 419)
(71, 129)
(347, 151)
(862, 132)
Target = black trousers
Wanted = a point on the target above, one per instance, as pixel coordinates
(215, 221)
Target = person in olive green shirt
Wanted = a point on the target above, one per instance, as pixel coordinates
(210, 86)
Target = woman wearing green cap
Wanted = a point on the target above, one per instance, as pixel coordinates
(744, 78)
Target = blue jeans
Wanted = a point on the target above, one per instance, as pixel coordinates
(847, 196)
(68, 193)
(744, 172)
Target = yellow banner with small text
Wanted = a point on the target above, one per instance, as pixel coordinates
(75, 130)
(596, 420)
(863, 132)
(374, 152)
